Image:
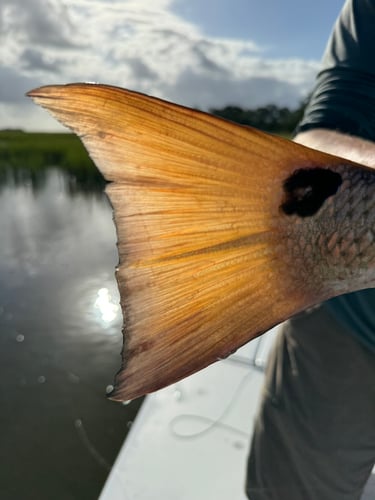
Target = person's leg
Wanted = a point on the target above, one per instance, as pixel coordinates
(314, 438)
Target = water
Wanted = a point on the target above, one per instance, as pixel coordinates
(60, 339)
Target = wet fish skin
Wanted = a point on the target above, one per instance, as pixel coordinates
(333, 251)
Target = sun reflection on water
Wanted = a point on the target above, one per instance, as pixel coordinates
(108, 309)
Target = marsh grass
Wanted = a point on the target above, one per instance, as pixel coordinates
(27, 156)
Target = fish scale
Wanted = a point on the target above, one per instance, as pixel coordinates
(342, 250)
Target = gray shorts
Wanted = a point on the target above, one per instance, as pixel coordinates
(314, 437)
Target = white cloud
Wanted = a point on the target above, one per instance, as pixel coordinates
(40, 22)
(137, 44)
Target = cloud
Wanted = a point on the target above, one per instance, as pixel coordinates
(141, 71)
(137, 44)
(42, 22)
(14, 85)
(32, 59)
(204, 92)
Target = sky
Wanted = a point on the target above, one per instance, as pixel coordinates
(199, 53)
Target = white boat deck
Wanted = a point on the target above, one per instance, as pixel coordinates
(190, 441)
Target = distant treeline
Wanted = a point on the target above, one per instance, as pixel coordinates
(270, 118)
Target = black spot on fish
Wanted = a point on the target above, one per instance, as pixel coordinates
(307, 189)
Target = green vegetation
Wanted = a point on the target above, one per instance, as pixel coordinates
(38, 150)
(24, 156)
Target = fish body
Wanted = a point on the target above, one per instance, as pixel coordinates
(223, 230)
(332, 251)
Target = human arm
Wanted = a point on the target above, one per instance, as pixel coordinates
(340, 116)
(337, 143)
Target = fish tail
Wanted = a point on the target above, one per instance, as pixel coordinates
(206, 213)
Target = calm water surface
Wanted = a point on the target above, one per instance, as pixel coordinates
(60, 339)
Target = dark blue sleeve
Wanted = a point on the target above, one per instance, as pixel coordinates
(344, 94)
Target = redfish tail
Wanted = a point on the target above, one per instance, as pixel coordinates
(202, 208)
